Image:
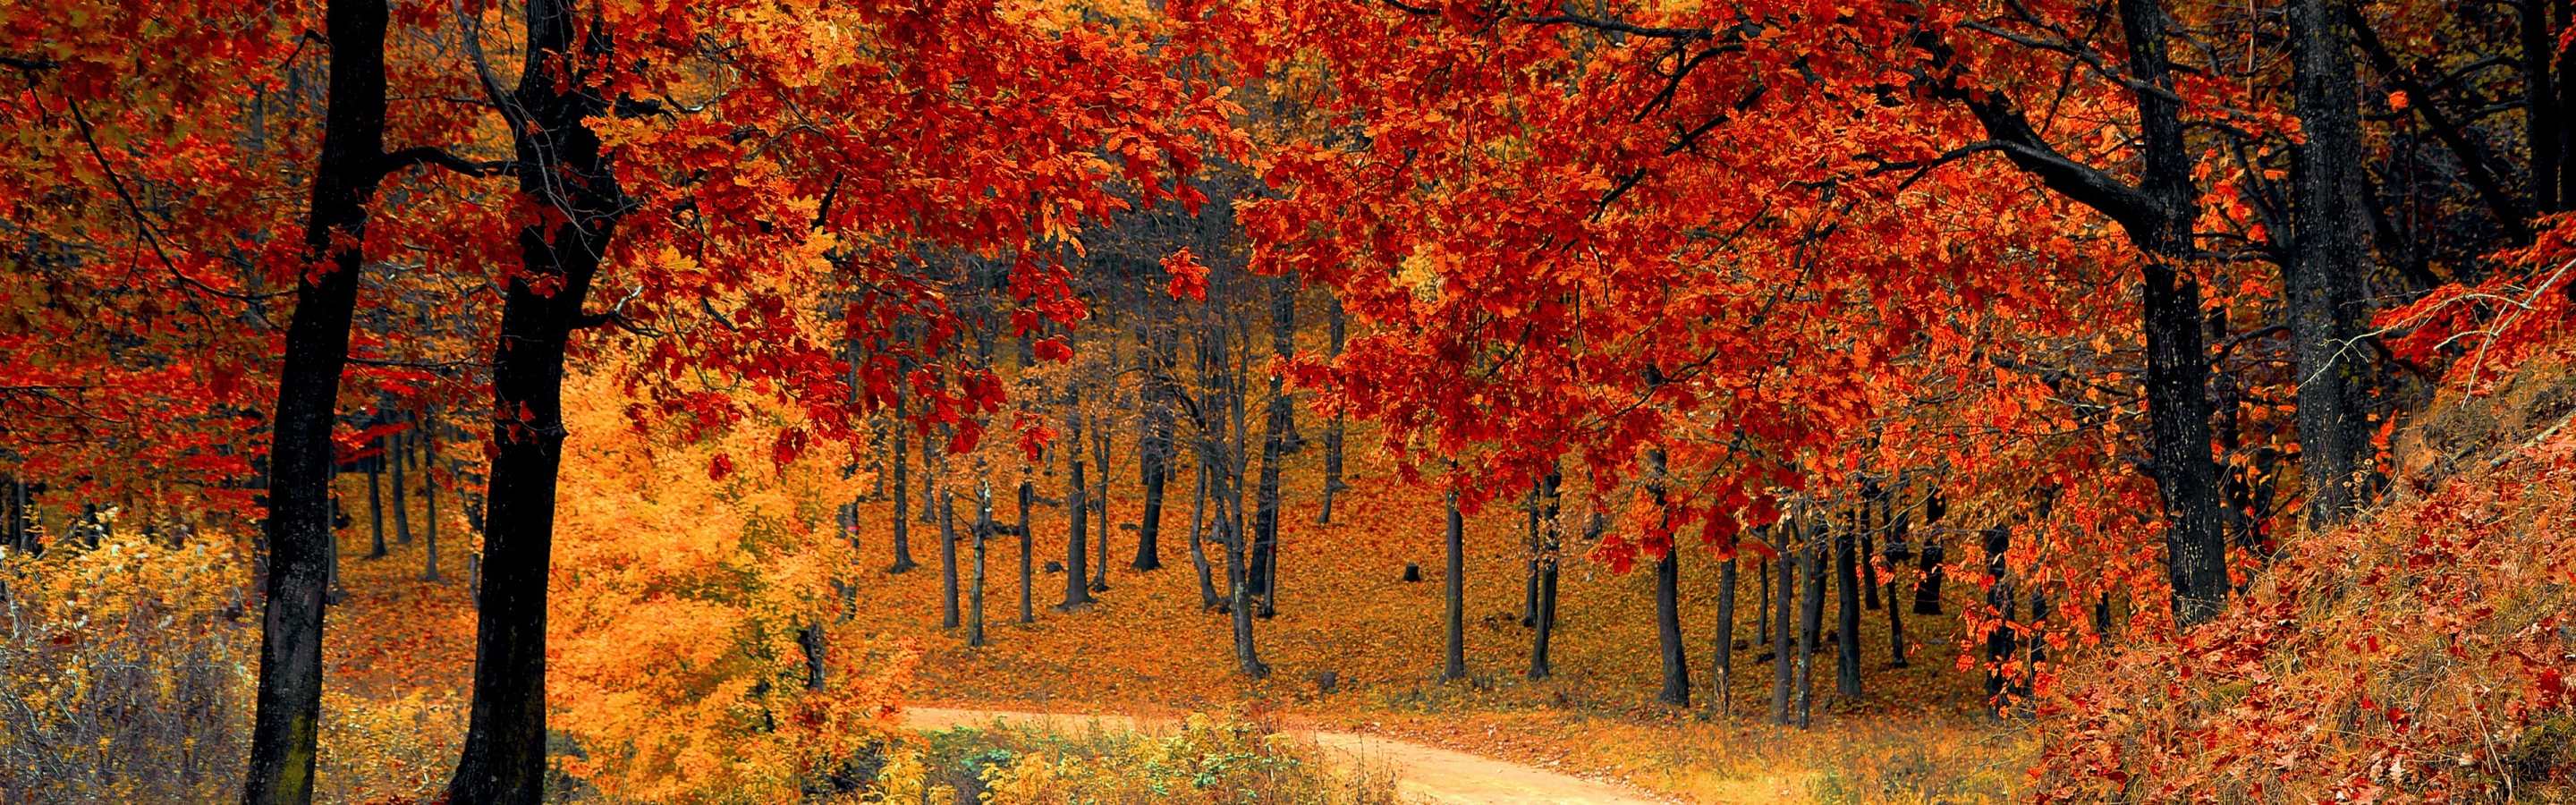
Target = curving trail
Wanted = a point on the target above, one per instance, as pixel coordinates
(1423, 773)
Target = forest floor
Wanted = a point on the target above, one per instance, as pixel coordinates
(1423, 773)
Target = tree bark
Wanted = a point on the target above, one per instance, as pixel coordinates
(1153, 448)
(1333, 485)
(402, 486)
(1544, 623)
(375, 508)
(2000, 638)
(300, 543)
(948, 593)
(1847, 612)
(981, 533)
(1811, 618)
(1208, 599)
(1782, 679)
(1529, 590)
(2540, 98)
(2331, 261)
(1077, 511)
(903, 562)
(429, 494)
(1455, 590)
(504, 757)
(1028, 554)
(1721, 693)
(1281, 420)
(1668, 607)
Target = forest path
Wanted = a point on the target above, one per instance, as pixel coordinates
(1423, 773)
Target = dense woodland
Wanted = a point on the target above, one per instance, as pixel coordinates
(505, 402)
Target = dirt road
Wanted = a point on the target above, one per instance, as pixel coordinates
(1428, 774)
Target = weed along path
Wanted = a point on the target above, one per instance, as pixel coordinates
(1423, 773)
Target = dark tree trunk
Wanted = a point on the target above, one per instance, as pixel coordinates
(1028, 558)
(1100, 444)
(1847, 613)
(1762, 599)
(1811, 619)
(1281, 421)
(1544, 626)
(948, 616)
(928, 481)
(2331, 261)
(300, 543)
(2540, 98)
(810, 638)
(1208, 599)
(2158, 215)
(1154, 448)
(1782, 679)
(402, 494)
(504, 758)
(1529, 594)
(375, 508)
(1454, 627)
(981, 534)
(429, 496)
(2000, 639)
(1899, 548)
(903, 562)
(1668, 605)
(1077, 511)
(1333, 485)
(1721, 695)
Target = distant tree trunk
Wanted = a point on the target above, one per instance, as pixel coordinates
(2540, 119)
(1100, 454)
(1529, 591)
(1811, 618)
(402, 486)
(1899, 548)
(1927, 594)
(1333, 433)
(1762, 597)
(1870, 523)
(1077, 511)
(375, 506)
(2000, 638)
(1154, 447)
(1847, 611)
(1455, 588)
(981, 534)
(1668, 607)
(1028, 549)
(928, 480)
(429, 493)
(1544, 623)
(903, 562)
(947, 555)
(810, 638)
(1722, 692)
(1782, 680)
(1208, 599)
(1281, 421)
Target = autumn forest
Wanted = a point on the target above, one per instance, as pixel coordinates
(1260, 402)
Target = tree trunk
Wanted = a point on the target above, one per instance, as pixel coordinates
(402, 487)
(1281, 420)
(1153, 448)
(316, 349)
(1028, 549)
(1529, 590)
(1543, 626)
(1811, 618)
(1208, 599)
(1899, 548)
(1455, 589)
(1999, 639)
(948, 616)
(903, 562)
(1077, 510)
(1721, 694)
(2540, 99)
(1847, 612)
(1781, 677)
(504, 758)
(1668, 606)
(375, 508)
(2331, 260)
(981, 534)
(429, 496)
(928, 481)
(1100, 443)
(1333, 485)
